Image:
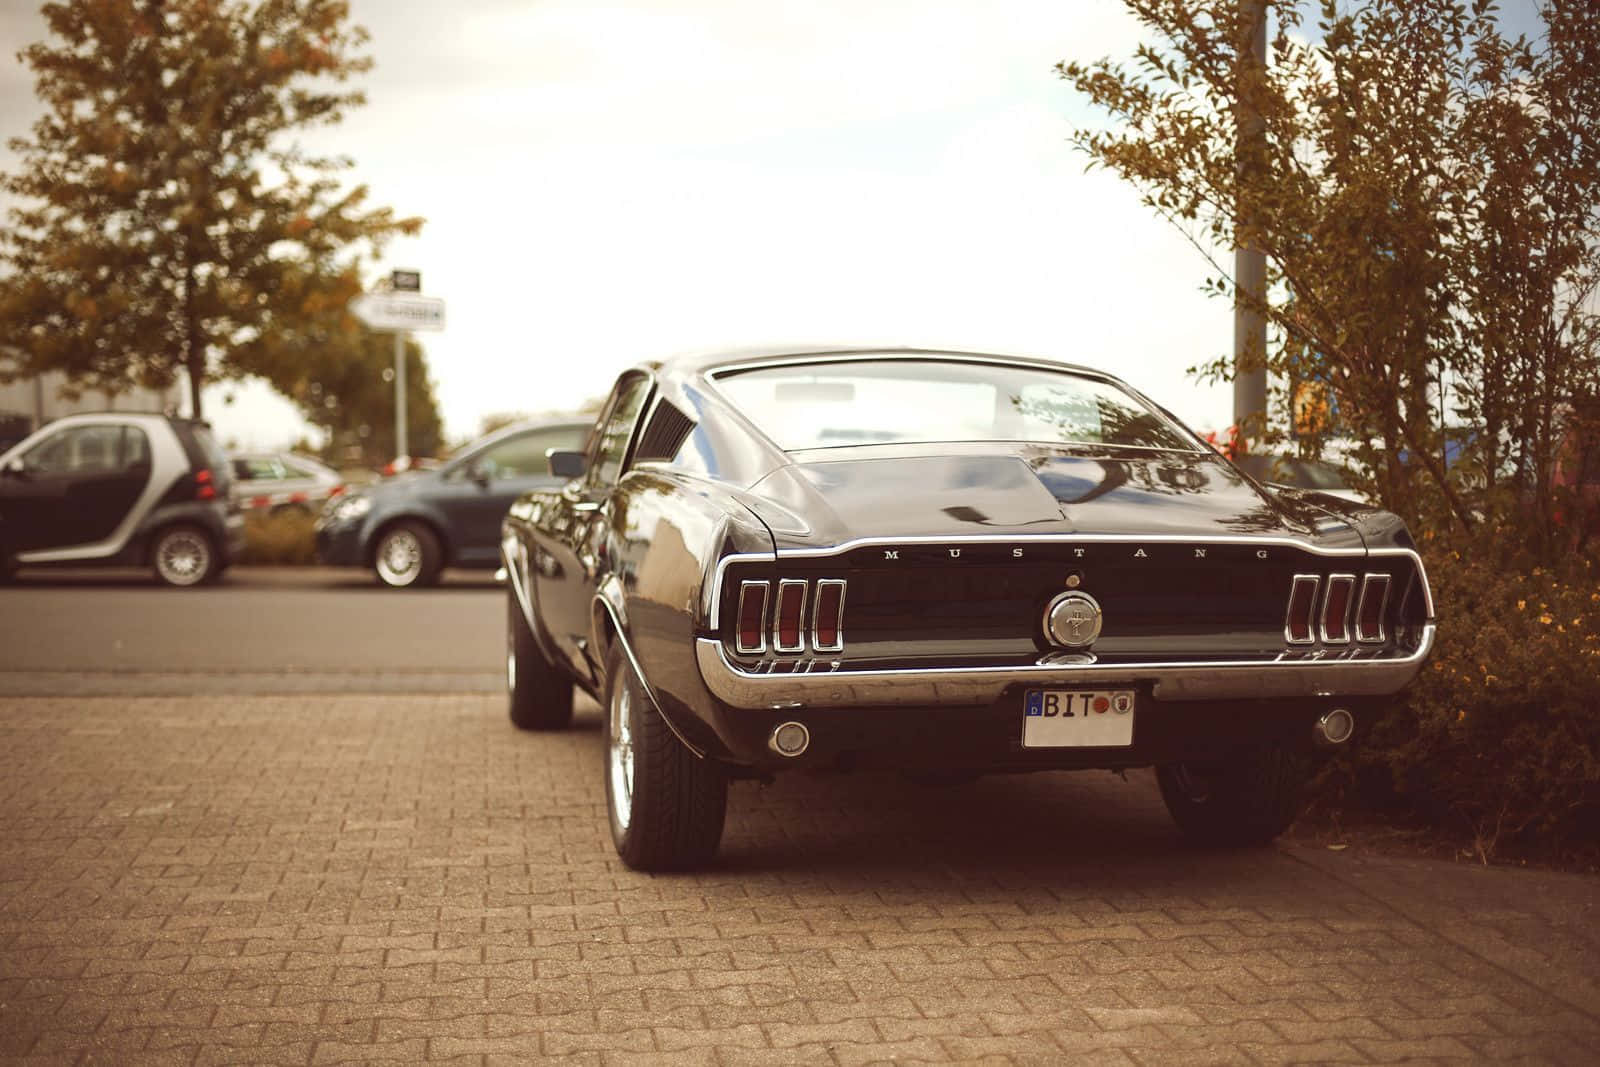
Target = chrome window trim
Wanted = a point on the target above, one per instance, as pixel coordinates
(1367, 584)
(800, 620)
(1315, 581)
(1354, 672)
(738, 623)
(712, 594)
(1349, 605)
(838, 622)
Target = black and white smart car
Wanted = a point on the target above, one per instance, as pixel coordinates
(119, 489)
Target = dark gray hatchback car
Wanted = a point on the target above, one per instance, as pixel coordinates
(410, 527)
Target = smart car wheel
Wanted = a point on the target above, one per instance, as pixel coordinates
(540, 695)
(1247, 799)
(184, 556)
(666, 804)
(407, 555)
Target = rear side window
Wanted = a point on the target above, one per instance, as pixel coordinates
(523, 456)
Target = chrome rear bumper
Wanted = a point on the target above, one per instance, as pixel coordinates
(1285, 677)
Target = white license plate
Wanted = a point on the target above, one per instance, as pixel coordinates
(1077, 718)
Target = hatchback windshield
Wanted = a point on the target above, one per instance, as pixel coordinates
(884, 401)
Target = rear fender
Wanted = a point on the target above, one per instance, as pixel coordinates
(608, 625)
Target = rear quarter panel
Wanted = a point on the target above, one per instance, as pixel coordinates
(667, 530)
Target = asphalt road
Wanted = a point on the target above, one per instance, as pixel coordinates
(259, 621)
(285, 820)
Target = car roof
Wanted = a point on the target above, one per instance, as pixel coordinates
(728, 359)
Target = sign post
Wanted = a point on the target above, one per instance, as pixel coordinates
(400, 312)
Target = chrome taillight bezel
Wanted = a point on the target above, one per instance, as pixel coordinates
(837, 644)
(1306, 584)
(1377, 585)
(1348, 583)
(784, 586)
(747, 589)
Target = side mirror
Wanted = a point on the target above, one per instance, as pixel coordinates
(15, 468)
(566, 464)
(478, 475)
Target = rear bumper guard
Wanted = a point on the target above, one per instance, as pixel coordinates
(1290, 675)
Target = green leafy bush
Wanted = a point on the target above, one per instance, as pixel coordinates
(1499, 739)
(286, 537)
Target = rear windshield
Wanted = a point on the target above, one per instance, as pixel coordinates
(890, 401)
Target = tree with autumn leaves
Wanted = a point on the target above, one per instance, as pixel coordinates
(169, 221)
(1426, 192)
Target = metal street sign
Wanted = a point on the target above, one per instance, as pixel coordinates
(406, 281)
(399, 311)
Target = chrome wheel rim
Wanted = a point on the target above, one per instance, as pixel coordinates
(182, 557)
(619, 766)
(399, 558)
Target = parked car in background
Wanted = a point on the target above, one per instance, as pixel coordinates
(120, 489)
(947, 563)
(409, 527)
(278, 482)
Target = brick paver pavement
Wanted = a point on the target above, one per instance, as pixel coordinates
(318, 878)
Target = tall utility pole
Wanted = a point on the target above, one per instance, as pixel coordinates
(1250, 264)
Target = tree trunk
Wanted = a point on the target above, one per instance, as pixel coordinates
(194, 354)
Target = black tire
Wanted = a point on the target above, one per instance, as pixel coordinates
(407, 555)
(1247, 799)
(184, 556)
(671, 815)
(538, 693)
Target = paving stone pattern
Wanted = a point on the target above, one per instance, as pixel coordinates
(321, 878)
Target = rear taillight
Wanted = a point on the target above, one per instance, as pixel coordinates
(827, 619)
(1369, 614)
(791, 609)
(803, 616)
(1302, 604)
(1336, 609)
(335, 491)
(203, 487)
(752, 635)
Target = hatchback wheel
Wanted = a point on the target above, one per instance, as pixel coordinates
(666, 804)
(183, 556)
(407, 555)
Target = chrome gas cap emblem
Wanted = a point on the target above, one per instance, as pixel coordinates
(1073, 620)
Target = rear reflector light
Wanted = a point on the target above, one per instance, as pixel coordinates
(827, 622)
(1302, 604)
(1369, 616)
(752, 617)
(791, 609)
(1336, 609)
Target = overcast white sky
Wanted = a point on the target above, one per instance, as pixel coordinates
(606, 182)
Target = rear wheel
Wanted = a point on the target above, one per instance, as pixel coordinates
(666, 804)
(540, 695)
(1249, 798)
(184, 556)
(407, 555)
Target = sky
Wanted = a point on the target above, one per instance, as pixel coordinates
(612, 181)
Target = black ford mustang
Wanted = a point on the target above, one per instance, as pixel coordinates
(948, 563)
